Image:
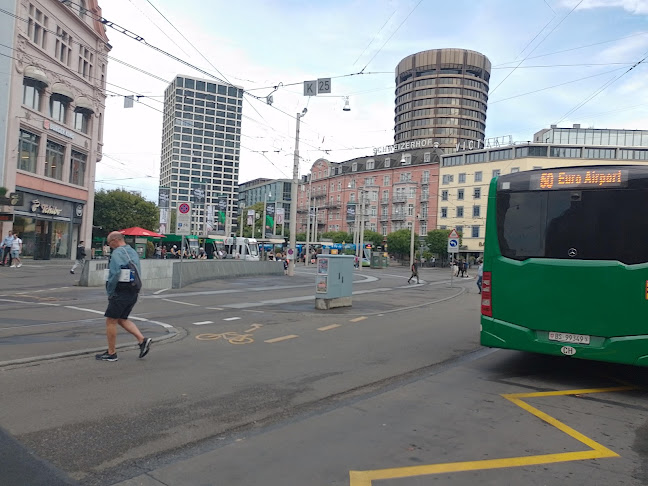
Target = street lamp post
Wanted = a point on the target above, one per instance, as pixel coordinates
(293, 200)
(265, 208)
(308, 224)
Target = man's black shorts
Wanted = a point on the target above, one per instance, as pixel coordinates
(121, 304)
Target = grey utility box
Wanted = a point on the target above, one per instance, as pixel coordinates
(334, 284)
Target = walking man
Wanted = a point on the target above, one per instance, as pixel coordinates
(121, 297)
(16, 249)
(414, 272)
(6, 249)
(80, 257)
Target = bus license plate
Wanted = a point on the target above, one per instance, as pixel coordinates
(565, 337)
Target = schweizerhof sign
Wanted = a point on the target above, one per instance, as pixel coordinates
(414, 144)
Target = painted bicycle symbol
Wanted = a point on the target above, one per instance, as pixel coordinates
(231, 337)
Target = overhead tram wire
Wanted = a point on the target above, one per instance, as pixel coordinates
(574, 48)
(374, 37)
(158, 27)
(601, 89)
(393, 33)
(537, 45)
(554, 86)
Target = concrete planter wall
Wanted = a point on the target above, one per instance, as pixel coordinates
(164, 274)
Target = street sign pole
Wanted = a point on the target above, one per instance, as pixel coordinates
(453, 247)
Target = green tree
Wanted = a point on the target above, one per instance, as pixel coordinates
(437, 241)
(119, 209)
(398, 243)
(300, 236)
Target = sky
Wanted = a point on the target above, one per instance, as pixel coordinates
(554, 62)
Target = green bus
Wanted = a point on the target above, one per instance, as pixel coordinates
(566, 263)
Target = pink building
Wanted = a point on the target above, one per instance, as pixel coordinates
(52, 101)
(396, 189)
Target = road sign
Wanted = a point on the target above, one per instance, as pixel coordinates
(310, 88)
(453, 234)
(323, 85)
(183, 219)
(453, 245)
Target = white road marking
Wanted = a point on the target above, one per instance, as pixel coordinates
(358, 319)
(82, 309)
(179, 302)
(214, 308)
(160, 291)
(202, 323)
(282, 338)
(231, 318)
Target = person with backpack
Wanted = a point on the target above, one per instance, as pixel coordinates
(123, 286)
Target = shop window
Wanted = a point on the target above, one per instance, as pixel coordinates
(54, 160)
(78, 163)
(28, 151)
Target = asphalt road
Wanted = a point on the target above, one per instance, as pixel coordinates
(248, 384)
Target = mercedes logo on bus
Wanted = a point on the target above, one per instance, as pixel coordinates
(572, 252)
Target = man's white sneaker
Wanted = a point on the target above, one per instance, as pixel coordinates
(19, 265)
(12, 266)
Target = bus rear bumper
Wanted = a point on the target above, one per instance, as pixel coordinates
(501, 334)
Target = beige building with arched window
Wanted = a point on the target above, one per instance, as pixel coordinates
(52, 102)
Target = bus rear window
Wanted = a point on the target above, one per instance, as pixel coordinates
(599, 224)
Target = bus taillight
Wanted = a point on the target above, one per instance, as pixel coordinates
(486, 302)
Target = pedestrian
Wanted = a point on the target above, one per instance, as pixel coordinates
(462, 268)
(158, 252)
(201, 254)
(285, 265)
(455, 268)
(80, 257)
(466, 269)
(163, 253)
(480, 274)
(122, 297)
(414, 273)
(6, 249)
(16, 249)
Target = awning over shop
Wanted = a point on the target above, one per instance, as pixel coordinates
(62, 90)
(83, 103)
(37, 74)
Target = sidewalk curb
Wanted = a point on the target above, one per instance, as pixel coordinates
(172, 332)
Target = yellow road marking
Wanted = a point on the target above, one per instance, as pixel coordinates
(282, 338)
(358, 319)
(254, 327)
(598, 451)
(327, 328)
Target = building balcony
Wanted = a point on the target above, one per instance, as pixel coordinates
(318, 196)
(425, 197)
(399, 199)
(423, 217)
(384, 200)
(398, 216)
(384, 217)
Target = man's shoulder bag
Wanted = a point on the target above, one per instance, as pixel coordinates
(130, 277)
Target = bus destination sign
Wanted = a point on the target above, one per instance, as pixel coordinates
(578, 179)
